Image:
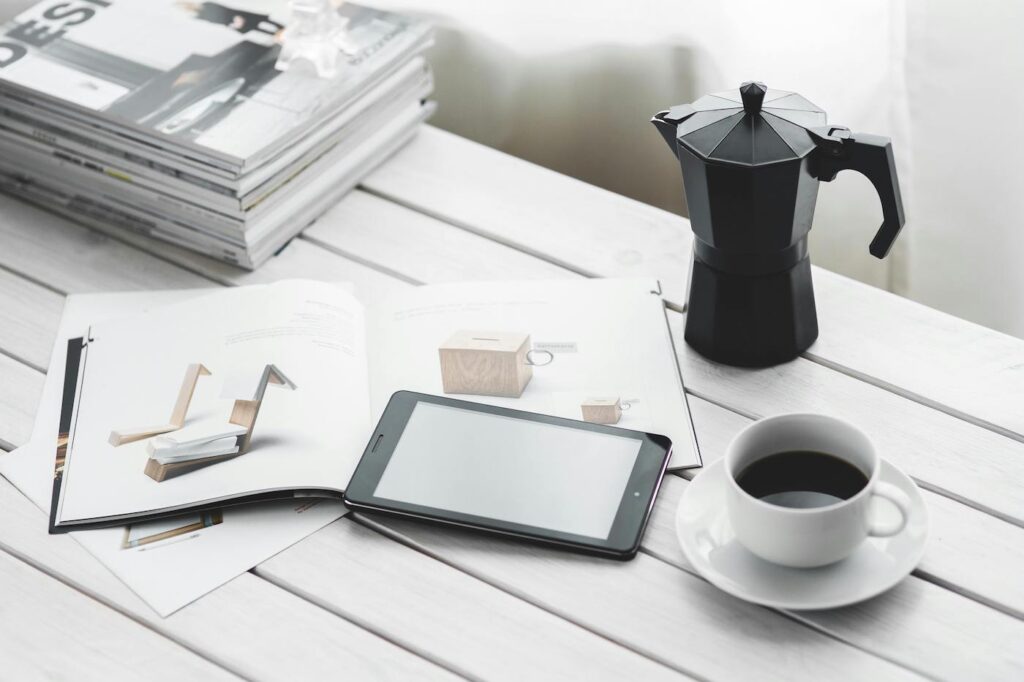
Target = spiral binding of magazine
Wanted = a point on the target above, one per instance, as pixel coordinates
(173, 119)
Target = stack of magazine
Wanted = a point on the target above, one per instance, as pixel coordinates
(172, 118)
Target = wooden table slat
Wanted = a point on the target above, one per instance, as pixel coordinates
(22, 387)
(440, 612)
(249, 625)
(29, 313)
(51, 631)
(962, 368)
(417, 248)
(917, 623)
(967, 462)
(52, 251)
(539, 211)
(651, 607)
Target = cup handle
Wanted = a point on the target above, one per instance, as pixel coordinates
(530, 360)
(899, 498)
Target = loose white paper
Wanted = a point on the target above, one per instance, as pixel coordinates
(605, 337)
(171, 562)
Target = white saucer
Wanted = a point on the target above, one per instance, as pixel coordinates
(709, 543)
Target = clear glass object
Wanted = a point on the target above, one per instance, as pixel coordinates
(315, 34)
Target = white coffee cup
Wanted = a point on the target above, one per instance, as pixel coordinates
(815, 536)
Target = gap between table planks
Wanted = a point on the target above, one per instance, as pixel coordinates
(818, 651)
(944, 362)
(256, 613)
(48, 629)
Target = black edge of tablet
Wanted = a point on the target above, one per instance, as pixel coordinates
(631, 519)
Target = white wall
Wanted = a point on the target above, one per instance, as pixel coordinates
(965, 76)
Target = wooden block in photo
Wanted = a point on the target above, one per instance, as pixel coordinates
(486, 363)
(118, 438)
(601, 410)
(161, 472)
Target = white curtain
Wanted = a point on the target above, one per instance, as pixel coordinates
(571, 85)
(965, 78)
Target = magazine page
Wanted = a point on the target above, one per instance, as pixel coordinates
(200, 74)
(555, 347)
(243, 392)
(168, 563)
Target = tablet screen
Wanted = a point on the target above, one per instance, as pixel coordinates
(509, 469)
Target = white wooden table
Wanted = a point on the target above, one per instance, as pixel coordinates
(366, 599)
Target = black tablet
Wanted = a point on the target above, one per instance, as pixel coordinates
(583, 486)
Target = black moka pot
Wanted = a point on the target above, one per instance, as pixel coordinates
(751, 164)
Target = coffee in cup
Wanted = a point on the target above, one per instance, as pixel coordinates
(799, 490)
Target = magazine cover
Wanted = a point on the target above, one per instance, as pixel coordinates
(195, 74)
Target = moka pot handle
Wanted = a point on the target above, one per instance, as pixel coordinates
(871, 155)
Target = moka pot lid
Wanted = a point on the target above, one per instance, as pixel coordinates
(751, 126)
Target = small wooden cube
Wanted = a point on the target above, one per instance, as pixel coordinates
(602, 410)
(486, 363)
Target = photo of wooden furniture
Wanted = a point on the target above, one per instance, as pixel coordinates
(487, 363)
(247, 389)
(141, 534)
(602, 410)
(248, 398)
(178, 413)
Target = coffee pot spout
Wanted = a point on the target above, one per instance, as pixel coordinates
(667, 130)
(667, 122)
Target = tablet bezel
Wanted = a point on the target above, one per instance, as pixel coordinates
(634, 509)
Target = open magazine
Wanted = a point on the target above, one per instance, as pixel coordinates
(269, 392)
(168, 562)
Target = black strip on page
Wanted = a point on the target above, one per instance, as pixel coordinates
(72, 366)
